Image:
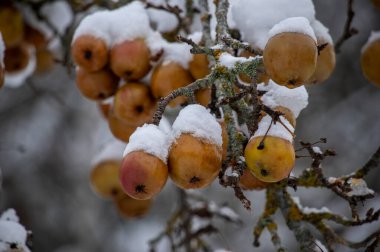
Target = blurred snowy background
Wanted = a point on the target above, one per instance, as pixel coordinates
(49, 134)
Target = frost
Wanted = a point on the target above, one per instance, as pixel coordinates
(16, 79)
(197, 121)
(332, 180)
(321, 32)
(293, 24)
(375, 35)
(112, 151)
(150, 139)
(277, 130)
(359, 188)
(229, 61)
(254, 19)
(309, 210)
(294, 99)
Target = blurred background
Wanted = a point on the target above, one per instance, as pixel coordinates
(49, 134)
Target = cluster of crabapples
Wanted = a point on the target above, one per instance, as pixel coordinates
(26, 46)
(127, 71)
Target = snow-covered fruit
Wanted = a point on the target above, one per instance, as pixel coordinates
(195, 156)
(290, 56)
(270, 159)
(249, 182)
(144, 172)
(131, 208)
(130, 60)
(105, 180)
(90, 53)
(134, 103)
(97, 85)
(168, 76)
(11, 24)
(326, 56)
(370, 59)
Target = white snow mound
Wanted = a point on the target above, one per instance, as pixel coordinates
(293, 24)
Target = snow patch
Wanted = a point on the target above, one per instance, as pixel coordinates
(277, 130)
(197, 121)
(150, 139)
(12, 232)
(230, 61)
(112, 151)
(359, 188)
(294, 99)
(293, 24)
(321, 32)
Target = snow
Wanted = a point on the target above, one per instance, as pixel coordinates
(16, 79)
(150, 139)
(375, 35)
(12, 232)
(165, 125)
(316, 149)
(321, 32)
(197, 121)
(359, 187)
(293, 24)
(332, 180)
(59, 14)
(230, 61)
(294, 99)
(112, 151)
(165, 21)
(320, 246)
(129, 22)
(309, 210)
(97, 25)
(255, 18)
(196, 37)
(277, 130)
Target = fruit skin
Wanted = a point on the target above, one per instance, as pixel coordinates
(90, 53)
(134, 103)
(272, 163)
(104, 109)
(370, 62)
(198, 66)
(35, 37)
(261, 77)
(11, 25)
(96, 85)
(194, 162)
(249, 182)
(121, 129)
(130, 60)
(142, 175)
(167, 77)
(105, 179)
(16, 58)
(131, 208)
(290, 58)
(203, 96)
(325, 64)
(45, 61)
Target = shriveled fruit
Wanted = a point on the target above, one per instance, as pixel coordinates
(194, 162)
(16, 58)
(96, 85)
(130, 60)
(370, 62)
(325, 64)
(271, 161)
(203, 96)
(121, 129)
(45, 61)
(131, 208)
(90, 53)
(249, 182)
(261, 76)
(142, 175)
(198, 66)
(105, 179)
(11, 25)
(134, 103)
(290, 58)
(167, 77)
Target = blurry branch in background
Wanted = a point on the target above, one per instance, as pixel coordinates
(348, 30)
